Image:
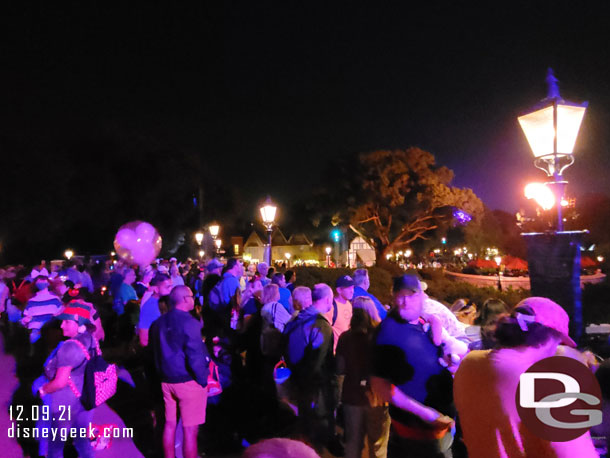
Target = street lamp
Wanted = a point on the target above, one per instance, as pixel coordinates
(551, 130)
(199, 238)
(68, 254)
(268, 211)
(201, 254)
(328, 251)
(214, 229)
(218, 243)
(288, 256)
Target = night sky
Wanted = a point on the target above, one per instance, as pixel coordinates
(267, 92)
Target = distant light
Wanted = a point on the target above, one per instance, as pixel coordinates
(408, 253)
(112, 253)
(68, 254)
(469, 255)
(437, 251)
(443, 241)
(498, 260)
(214, 229)
(218, 243)
(336, 235)
(541, 193)
(201, 253)
(329, 249)
(199, 237)
(461, 216)
(600, 259)
(564, 203)
(388, 256)
(288, 256)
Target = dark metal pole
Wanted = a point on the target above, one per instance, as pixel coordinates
(270, 257)
(556, 175)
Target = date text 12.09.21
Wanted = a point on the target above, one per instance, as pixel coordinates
(36, 412)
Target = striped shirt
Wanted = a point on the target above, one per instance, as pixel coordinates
(42, 308)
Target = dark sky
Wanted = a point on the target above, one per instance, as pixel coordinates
(269, 91)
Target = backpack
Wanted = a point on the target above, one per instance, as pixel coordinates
(215, 297)
(214, 386)
(100, 378)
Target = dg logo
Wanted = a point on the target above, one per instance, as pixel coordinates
(559, 399)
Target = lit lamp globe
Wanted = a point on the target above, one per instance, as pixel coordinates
(498, 260)
(199, 238)
(201, 253)
(288, 256)
(328, 250)
(218, 243)
(541, 193)
(268, 211)
(68, 254)
(214, 230)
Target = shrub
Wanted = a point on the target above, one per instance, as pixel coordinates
(381, 280)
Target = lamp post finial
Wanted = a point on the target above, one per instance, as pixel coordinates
(553, 85)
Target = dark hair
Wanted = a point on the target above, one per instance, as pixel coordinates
(288, 275)
(231, 263)
(277, 278)
(159, 278)
(270, 272)
(361, 320)
(491, 311)
(510, 334)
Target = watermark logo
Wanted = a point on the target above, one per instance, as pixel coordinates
(559, 399)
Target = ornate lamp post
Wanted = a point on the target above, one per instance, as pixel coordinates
(268, 211)
(551, 130)
(328, 251)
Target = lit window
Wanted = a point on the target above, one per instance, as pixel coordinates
(236, 249)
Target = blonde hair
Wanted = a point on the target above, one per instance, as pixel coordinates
(271, 293)
(367, 305)
(301, 295)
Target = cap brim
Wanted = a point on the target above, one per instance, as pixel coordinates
(567, 340)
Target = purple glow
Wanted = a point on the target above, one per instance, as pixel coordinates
(461, 216)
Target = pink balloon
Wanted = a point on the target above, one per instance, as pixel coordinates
(138, 242)
(126, 238)
(145, 232)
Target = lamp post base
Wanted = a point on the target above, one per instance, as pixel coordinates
(554, 270)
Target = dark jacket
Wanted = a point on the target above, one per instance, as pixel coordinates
(179, 352)
(308, 343)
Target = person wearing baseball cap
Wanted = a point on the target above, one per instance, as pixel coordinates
(340, 315)
(406, 372)
(65, 368)
(487, 381)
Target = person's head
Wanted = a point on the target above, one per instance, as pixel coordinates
(279, 448)
(491, 310)
(40, 278)
(290, 276)
(214, 266)
(270, 272)
(364, 314)
(301, 298)
(148, 276)
(256, 287)
(129, 276)
(271, 293)
(74, 319)
(361, 279)
(345, 288)
(464, 311)
(181, 298)
(279, 280)
(173, 269)
(235, 267)
(161, 285)
(408, 297)
(537, 323)
(262, 269)
(322, 297)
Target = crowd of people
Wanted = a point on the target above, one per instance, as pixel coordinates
(235, 355)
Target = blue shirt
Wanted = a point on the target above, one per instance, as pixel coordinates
(405, 355)
(179, 353)
(228, 286)
(285, 299)
(358, 291)
(149, 313)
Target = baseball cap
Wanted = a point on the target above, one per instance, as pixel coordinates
(549, 314)
(407, 281)
(213, 264)
(344, 282)
(76, 311)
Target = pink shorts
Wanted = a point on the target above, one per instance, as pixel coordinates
(190, 397)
